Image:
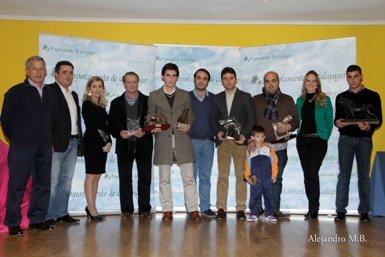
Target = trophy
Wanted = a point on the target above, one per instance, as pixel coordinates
(132, 126)
(182, 122)
(282, 138)
(104, 135)
(154, 121)
(358, 112)
(233, 128)
(253, 180)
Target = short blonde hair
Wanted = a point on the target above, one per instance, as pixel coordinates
(86, 96)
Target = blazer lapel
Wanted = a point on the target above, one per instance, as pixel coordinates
(162, 99)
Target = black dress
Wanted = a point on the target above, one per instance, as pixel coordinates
(95, 118)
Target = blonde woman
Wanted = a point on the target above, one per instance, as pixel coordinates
(97, 142)
(315, 113)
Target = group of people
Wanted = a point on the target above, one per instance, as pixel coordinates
(43, 125)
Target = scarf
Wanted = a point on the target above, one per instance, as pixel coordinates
(271, 112)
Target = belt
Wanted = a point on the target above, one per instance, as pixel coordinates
(313, 135)
(74, 136)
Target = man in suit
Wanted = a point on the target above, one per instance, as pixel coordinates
(126, 119)
(235, 103)
(174, 144)
(273, 106)
(67, 143)
(27, 118)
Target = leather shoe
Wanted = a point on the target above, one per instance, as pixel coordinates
(127, 215)
(67, 218)
(41, 226)
(15, 231)
(221, 215)
(145, 214)
(194, 216)
(52, 222)
(241, 215)
(167, 216)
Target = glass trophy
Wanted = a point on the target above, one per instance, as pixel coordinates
(281, 138)
(233, 128)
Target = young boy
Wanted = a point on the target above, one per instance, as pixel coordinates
(261, 168)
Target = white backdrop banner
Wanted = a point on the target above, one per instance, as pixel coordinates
(112, 60)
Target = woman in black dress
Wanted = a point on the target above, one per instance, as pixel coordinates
(97, 142)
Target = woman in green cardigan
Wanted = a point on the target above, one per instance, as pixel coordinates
(315, 113)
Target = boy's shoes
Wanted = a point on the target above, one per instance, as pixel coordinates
(221, 215)
(340, 217)
(252, 218)
(241, 215)
(270, 218)
(208, 213)
(364, 217)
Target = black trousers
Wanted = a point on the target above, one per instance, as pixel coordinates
(311, 151)
(22, 161)
(144, 166)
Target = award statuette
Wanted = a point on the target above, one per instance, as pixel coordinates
(285, 137)
(104, 135)
(233, 128)
(253, 180)
(154, 121)
(132, 126)
(182, 122)
(358, 112)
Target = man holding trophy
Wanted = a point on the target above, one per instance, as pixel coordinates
(358, 115)
(232, 118)
(172, 143)
(126, 119)
(277, 114)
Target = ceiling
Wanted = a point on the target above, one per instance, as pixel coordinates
(200, 11)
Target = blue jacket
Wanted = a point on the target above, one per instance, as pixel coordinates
(323, 117)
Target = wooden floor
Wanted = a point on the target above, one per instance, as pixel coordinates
(181, 237)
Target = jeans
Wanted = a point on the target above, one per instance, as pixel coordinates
(63, 167)
(204, 154)
(361, 148)
(277, 186)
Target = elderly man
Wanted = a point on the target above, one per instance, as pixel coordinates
(126, 119)
(273, 106)
(27, 119)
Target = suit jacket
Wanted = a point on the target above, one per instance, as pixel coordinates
(118, 122)
(62, 127)
(242, 109)
(158, 104)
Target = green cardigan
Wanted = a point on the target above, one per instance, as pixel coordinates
(323, 117)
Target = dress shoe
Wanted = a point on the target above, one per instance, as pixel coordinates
(127, 215)
(221, 215)
(194, 216)
(67, 219)
(167, 216)
(364, 217)
(281, 215)
(51, 222)
(340, 217)
(41, 226)
(145, 214)
(241, 215)
(15, 231)
(311, 216)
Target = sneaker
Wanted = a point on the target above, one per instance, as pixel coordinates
(340, 217)
(252, 218)
(364, 217)
(241, 215)
(270, 218)
(221, 215)
(208, 213)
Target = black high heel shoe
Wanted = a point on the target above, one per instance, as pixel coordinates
(95, 218)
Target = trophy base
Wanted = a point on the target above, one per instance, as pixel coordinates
(283, 139)
(232, 138)
(356, 121)
(183, 126)
(154, 126)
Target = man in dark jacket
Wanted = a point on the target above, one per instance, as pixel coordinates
(67, 142)
(27, 118)
(126, 119)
